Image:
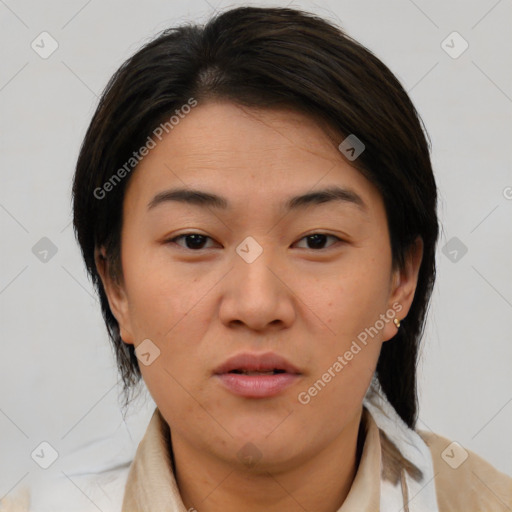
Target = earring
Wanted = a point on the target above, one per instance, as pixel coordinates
(396, 321)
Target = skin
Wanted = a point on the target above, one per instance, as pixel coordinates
(304, 301)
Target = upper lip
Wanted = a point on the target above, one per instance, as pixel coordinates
(256, 362)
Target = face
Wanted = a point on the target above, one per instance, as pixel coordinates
(308, 283)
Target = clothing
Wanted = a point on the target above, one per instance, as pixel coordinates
(387, 478)
(399, 470)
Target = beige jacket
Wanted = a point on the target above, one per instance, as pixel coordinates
(472, 486)
(459, 480)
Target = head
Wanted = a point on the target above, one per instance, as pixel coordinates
(252, 108)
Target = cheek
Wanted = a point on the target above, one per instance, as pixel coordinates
(345, 359)
(173, 310)
(355, 299)
(351, 306)
(338, 393)
(160, 296)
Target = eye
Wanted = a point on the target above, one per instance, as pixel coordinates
(317, 240)
(193, 241)
(197, 241)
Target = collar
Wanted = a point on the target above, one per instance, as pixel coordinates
(395, 470)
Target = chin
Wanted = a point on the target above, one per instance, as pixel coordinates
(260, 426)
(264, 457)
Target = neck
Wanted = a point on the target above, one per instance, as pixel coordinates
(319, 483)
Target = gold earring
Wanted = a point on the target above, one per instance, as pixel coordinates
(396, 321)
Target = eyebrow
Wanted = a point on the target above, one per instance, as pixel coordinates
(209, 200)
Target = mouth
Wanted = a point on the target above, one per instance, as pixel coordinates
(275, 371)
(253, 375)
(256, 363)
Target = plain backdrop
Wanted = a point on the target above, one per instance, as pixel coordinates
(58, 378)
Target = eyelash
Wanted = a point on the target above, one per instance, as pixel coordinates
(184, 235)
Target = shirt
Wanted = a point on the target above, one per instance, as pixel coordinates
(473, 486)
(400, 469)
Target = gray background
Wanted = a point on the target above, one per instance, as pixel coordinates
(58, 378)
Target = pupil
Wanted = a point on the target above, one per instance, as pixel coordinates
(197, 241)
(317, 241)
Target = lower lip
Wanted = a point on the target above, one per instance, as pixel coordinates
(257, 386)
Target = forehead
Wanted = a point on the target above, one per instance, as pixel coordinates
(246, 154)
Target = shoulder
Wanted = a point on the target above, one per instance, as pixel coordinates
(464, 480)
(85, 492)
(16, 501)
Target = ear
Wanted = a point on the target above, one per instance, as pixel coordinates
(403, 286)
(116, 295)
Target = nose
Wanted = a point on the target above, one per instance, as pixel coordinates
(257, 294)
